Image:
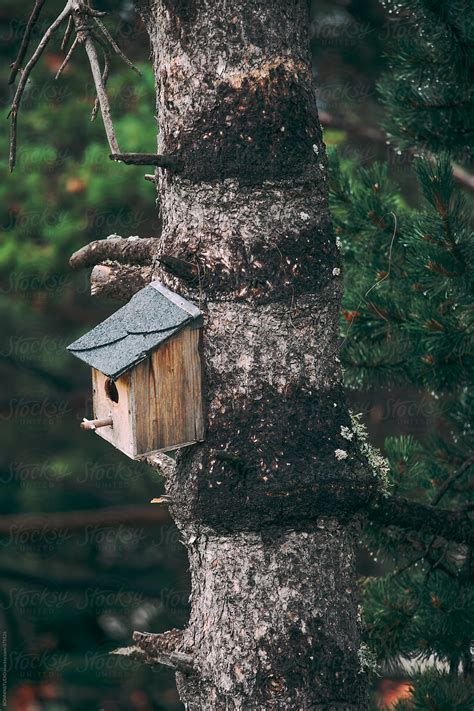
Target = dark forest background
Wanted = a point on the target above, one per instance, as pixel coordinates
(70, 595)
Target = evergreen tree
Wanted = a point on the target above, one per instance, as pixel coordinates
(429, 92)
(408, 321)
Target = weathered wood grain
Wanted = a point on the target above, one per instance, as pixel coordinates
(121, 433)
(167, 395)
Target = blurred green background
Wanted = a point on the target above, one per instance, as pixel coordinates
(68, 597)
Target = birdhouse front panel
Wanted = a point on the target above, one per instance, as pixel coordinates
(112, 398)
(146, 373)
(166, 395)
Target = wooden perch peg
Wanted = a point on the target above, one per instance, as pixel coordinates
(94, 424)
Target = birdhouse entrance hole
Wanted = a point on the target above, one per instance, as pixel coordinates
(111, 390)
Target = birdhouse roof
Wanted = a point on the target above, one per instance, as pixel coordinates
(127, 337)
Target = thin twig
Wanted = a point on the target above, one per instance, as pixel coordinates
(450, 481)
(115, 46)
(67, 34)
(67, 57)
(387, 274)
(26, 40)
(101, 94)
(85, 20)
(377, 283)
(24, 78)
(105, 77)
(94, 13)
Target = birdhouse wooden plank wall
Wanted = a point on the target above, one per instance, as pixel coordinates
(146, 373)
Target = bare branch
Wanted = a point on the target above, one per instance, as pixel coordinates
(117, 281)
(115, 248)
(176, 660)
(26, 40)
(101, 93)
(115, 46)
(162, 161)
(452, 479)
(88, 26)
(67, 34)
(24, 78)
(105, 77)
(413, 516)
(67, 58)
(76, 520)
(94, 13)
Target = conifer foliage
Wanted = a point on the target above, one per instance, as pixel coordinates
(408, 322)
(429, 92)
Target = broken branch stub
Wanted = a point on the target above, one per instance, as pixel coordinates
(119, 281)
(168, 162)
(126, 251)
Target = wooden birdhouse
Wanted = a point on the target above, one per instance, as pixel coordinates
(146, 373)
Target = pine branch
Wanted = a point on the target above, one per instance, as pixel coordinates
(397, 511)
(369, 133)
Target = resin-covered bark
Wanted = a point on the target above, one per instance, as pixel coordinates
(268, 503)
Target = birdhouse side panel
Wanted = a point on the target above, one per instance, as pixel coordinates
(114, 398)
(167, 395)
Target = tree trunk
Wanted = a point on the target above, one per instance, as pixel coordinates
(269, 503)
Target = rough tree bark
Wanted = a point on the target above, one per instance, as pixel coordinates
(268, 506)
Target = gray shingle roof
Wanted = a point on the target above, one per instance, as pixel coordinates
(124, 339)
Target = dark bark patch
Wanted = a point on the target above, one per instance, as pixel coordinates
(182, 14)
(313, 660)
(276, 461)
(260, 128)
